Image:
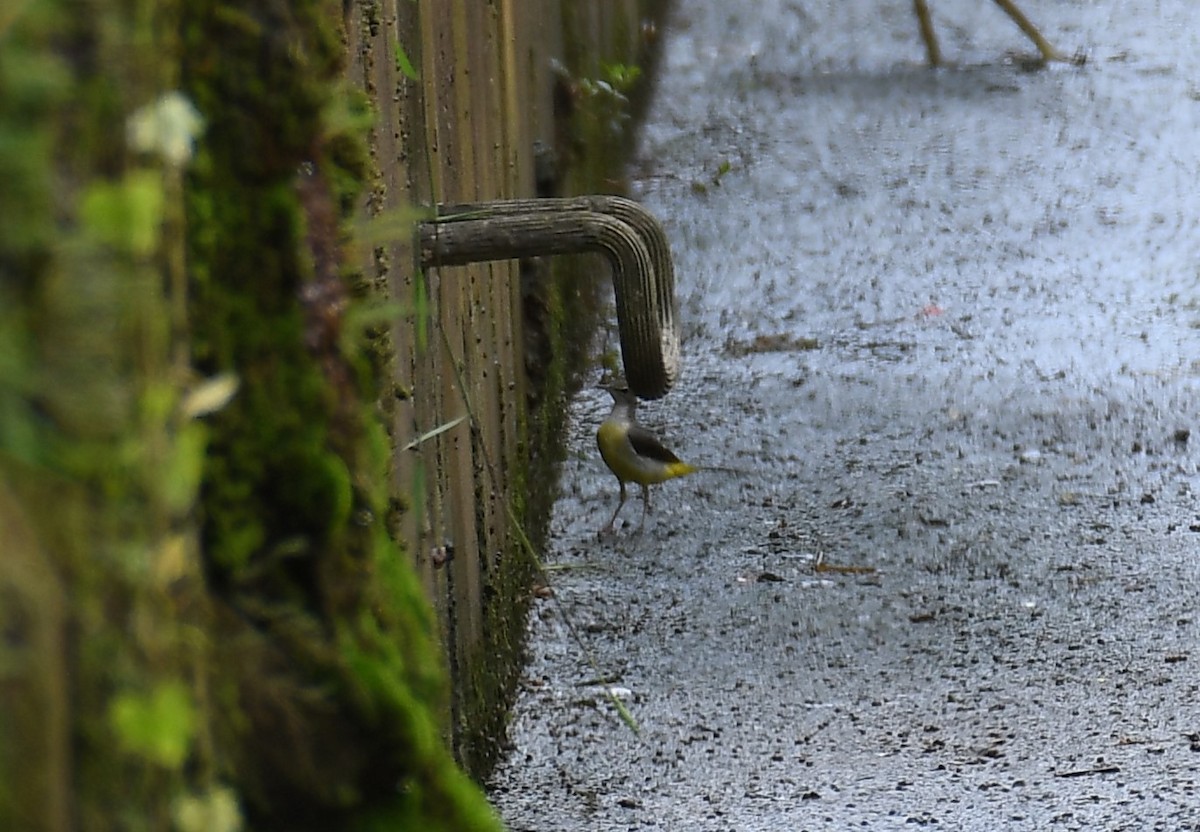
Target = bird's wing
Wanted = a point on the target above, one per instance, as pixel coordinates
(646, 444)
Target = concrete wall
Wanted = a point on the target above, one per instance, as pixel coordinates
(463, 89)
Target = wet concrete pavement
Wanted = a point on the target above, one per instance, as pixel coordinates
(945, 325)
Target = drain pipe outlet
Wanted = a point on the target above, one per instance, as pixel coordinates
(626, 233)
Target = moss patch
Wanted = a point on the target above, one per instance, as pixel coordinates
(243, 640)
(329, 644)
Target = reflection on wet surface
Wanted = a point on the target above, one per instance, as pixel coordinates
(944, 326)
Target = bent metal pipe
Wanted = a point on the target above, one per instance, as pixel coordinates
(621, 229)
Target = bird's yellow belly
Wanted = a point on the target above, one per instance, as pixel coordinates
(619, 455)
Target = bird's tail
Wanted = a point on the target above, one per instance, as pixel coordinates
(679, 469)
(724, 469)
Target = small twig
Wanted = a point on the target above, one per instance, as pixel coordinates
(1086, 772)
(432, 433)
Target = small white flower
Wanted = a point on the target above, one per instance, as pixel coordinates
(168, 127)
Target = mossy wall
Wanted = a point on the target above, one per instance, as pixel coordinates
(479, 101)
(238, 427)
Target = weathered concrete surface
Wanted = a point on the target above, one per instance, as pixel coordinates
(997, 424)
(462, 92)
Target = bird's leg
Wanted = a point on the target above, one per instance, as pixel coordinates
(925, 21)
(1049, 53)
(645, 504)
(608, 529)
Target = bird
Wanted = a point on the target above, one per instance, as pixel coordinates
(633, 453)
(1047, 51)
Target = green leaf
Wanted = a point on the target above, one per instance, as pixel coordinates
(158, 726)
(623, 712)
(126, 215)
(404, 65)
(184, 468)
(421, 310)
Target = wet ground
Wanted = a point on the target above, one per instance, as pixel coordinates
(945, 325)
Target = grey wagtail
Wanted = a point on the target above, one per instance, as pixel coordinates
(633, 453)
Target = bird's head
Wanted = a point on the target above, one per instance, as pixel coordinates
(621, 393)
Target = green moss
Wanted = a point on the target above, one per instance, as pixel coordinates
(261, 645)
(83, 451)
(329, 631)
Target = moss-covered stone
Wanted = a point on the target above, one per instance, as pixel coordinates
(328, 650)
(267, 650)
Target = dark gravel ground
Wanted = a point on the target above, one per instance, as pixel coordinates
(945, 325)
